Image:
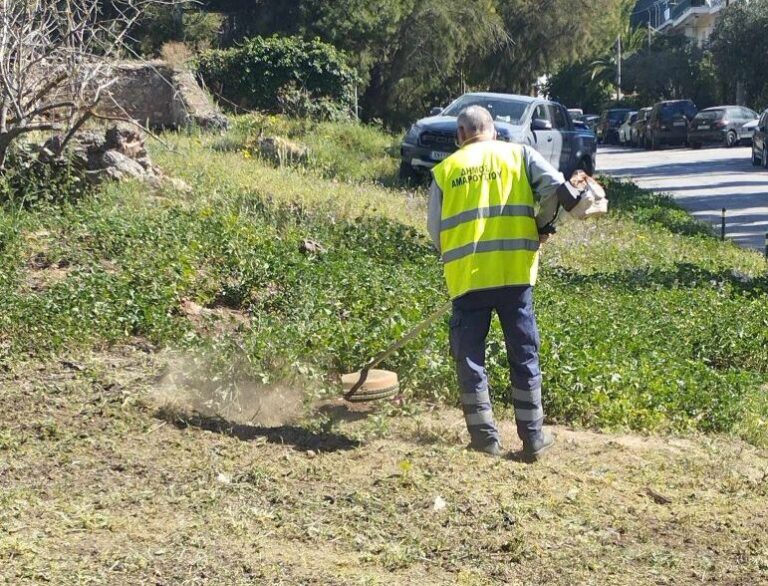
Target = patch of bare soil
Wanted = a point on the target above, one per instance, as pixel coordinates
(214, 320)
(99, 485)
(42, 272)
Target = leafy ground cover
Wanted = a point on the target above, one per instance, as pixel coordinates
(253, 290)
(648, 322)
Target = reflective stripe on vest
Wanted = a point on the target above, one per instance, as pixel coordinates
(488, 232)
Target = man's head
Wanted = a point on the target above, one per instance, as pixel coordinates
(475, 124)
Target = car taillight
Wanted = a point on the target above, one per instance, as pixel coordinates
(721, 124)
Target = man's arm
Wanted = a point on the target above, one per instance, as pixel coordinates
(434, 213)
(551, 187)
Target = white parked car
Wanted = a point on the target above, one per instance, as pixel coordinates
(748, 130)
(625, 129)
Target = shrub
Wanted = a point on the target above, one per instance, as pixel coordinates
(28, 182)
(281, 74)
(162, 24)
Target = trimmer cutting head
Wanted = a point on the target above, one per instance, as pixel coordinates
(377, 385)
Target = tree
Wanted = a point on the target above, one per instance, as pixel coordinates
(739, 46)
(674, 68)
(576, 86)
(549, 34)
(411, 54)
(56, 63)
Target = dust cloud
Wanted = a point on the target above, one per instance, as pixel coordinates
(193, 384)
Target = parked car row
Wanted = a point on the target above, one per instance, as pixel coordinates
(567, 138)
(677, 122)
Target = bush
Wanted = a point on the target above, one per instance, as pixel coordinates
(28, 182)
(281, 74)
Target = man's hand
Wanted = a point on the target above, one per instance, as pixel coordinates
(592, 201)
(579, 180)
(544, 238)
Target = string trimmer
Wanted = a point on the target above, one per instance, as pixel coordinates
(369, 384)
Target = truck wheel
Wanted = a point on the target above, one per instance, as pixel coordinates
(407, 174)
(586, 165)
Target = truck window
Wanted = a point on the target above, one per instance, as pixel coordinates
(541, 111)
(559, 120)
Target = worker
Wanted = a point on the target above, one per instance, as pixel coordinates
(481, 219)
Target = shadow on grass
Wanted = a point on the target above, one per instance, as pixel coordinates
(343, 412)
(299, 438)
(658, 209)
(683, 275)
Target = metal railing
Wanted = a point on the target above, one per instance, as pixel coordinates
(679, 8)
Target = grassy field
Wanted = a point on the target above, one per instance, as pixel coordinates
(101, 486)
(170, 359)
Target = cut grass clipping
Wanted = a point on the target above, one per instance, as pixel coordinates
(647, 321)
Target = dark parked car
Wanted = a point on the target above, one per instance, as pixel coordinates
(760, 142)
(610, 121)
(637, 133)
(723, 125)
(668, 123)
(592, 120)
(544, 125)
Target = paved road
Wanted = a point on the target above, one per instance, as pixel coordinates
(704, 182)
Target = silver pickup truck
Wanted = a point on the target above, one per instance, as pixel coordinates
(542, 124)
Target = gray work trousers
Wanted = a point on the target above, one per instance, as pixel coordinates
(470, 324)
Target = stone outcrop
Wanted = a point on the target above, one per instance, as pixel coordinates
(158, 95)
(119, 153)
(281, 150)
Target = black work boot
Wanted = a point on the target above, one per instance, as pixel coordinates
(492, 449)
(534, 449)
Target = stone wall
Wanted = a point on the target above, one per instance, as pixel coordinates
(160, 96)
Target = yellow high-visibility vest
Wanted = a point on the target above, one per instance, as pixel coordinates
(488, 233)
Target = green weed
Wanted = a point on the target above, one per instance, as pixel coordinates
(647, 322)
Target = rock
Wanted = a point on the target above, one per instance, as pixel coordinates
(51, 149)
(171, 183)
(308, 246)
(119, 153)
(125, 140)
(439, 504)
(193, 106)
(118, 166)
(281, 150)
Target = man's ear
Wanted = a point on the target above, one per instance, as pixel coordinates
(461, 135)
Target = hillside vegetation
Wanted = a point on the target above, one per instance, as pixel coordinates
(648, 322)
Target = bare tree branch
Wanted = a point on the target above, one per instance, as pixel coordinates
(57, 61)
